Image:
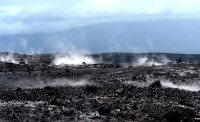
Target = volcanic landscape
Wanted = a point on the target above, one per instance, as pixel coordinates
(107, 87)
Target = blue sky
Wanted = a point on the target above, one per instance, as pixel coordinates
(30, 16)
(19, 17)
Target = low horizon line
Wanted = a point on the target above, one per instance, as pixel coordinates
(102, 53)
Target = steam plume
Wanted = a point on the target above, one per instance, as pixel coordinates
(145, 61)
(8, 58)
(41, 83)
(194, 86)
(72, 59)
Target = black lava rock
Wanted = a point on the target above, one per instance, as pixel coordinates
(91, 88)
(67, 70)
(120, 91)
(173, 116)
(134, 77)
(179, 60)
(18, 89)
(47, 87)
(156, 84)
(69, 112)
(55, 102)
(104, 109)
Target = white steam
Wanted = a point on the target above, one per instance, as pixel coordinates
(194, 86)
(8, 58)
(41, 83)
(188, 87)
(72, 59)
(145, 61)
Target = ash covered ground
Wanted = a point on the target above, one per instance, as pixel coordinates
(101, 87)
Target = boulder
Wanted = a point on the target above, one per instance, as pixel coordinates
(67, 70)
(180, 60)
(173, 116)
(18, 89)
(47, 87)
(91, 88)
(156, 84)
(134, 77)
(83, 63)
(104, 109)
(119, 91)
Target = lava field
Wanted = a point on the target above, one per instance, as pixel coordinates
(104, 92)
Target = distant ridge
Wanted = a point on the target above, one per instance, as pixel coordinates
(181, 36)
(119, 57)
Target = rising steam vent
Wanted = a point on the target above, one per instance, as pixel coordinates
(93, 88)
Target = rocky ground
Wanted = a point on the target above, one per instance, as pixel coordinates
(168, 93)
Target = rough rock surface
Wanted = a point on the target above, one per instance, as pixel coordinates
(103, 95)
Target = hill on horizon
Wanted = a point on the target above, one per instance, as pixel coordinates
(171, 36)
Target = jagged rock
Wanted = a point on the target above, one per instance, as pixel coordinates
(130, 66)
(117, 66)
(135, 107)
(47, 87)
(84, 63)
(18, 89)
(180, 60)
(55, 102)
(156, 84)
(187, 119)
(91, 88)
(134, 77)
(22, 63)
(68, 112)
(67, 70)
(104, 109)
(173, 116)
(119, 91)
(183, 102)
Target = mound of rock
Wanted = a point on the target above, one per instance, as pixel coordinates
(156, 84)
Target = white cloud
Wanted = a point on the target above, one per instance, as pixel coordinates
(31, 16)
